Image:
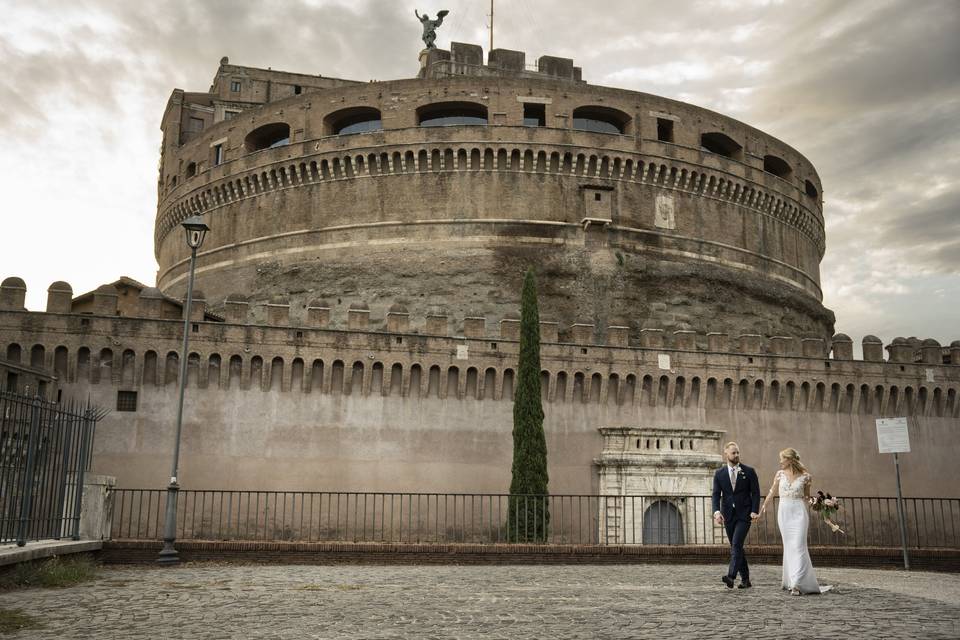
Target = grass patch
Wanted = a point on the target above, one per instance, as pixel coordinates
(13, 620)
(50, 573)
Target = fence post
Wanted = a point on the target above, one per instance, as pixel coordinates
(78, 476)
(26, 505)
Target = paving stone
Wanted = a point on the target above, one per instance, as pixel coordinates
(214, 601)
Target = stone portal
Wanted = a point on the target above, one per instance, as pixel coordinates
(654, 484)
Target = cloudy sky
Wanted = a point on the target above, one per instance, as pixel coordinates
(869, 90)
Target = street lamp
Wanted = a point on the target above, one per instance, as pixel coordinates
(196, 230)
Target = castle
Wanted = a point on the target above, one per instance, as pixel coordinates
(357, 326)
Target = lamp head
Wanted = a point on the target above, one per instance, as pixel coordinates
(196, 230)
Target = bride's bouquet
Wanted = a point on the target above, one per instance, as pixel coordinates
(827, 506)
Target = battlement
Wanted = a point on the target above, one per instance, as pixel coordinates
(322, 315)
(467, 60)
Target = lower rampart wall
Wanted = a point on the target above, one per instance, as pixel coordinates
(322, 409)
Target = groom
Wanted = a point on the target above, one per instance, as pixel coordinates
(736, 503)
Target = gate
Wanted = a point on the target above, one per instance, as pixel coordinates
(45, 449)
(662, 524)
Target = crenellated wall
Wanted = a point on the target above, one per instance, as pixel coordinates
(346, 401)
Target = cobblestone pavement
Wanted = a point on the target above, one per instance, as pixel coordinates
(639, 601)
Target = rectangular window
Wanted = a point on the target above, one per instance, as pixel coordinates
(235, 86)
(217, 154)
(11, 382)
(126, 400)
(664, 130)
(195, 124)
(297, 89)
(229, 115)
(534, 115)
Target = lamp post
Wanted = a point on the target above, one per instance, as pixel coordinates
(196, 230)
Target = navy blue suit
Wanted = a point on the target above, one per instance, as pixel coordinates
(736, 504)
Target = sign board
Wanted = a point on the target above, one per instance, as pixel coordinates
(463, 351)
(663, 361)
(892, 436)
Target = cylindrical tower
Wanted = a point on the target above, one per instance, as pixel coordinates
(635, 209)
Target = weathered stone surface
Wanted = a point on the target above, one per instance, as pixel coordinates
(508, 602)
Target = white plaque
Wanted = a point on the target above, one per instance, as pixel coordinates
(663, 213)
(663, 360)
(892, 436)
(930, 375)
(463, 351)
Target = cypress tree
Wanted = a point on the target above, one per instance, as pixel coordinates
(528, 512)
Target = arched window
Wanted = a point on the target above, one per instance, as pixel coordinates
(443, 114)
(275, 134)
(600, 119)
(810, 189)
(777, 166)
(191, 169)
(352, 120)
(721, 144)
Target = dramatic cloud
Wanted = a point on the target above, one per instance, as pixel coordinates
(868, 90)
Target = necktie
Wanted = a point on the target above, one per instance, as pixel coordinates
(733, 477)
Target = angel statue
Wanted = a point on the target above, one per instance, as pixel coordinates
(430, 26)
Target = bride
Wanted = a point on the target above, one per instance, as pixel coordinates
(793, 483)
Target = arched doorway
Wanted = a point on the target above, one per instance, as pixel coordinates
(662, 524)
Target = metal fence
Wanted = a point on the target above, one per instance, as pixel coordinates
(45, 450)
(484, 518)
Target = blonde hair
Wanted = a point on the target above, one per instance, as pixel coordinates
(730, 444)
(793, 459)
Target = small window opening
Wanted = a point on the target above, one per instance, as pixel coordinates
(299, 335)
(597, 197)
(600, 120)
(230, 115)
(777, 166)
(217, 154)
(648, 443)
(534, 115)
(750, 360)
(84, 322)
(493, 345)
(297, 89)
(235, 86)
(583, 351)
(352, 120)
(269, 136)
(827, 365)
(451, 114)
(191, 169)
(721, 144)
(126, 400)
(11, 382)
(638, 443)
(810, 189)
(664, 130)
(196, 327)
(399, 340)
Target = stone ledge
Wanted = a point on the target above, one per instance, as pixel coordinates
(12, 554)
(145, 552)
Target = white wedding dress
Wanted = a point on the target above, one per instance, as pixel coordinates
(793, 519)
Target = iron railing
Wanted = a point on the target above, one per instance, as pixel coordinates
(45, 449)
(307, 516)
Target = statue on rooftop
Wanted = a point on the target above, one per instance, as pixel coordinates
(430, 26)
